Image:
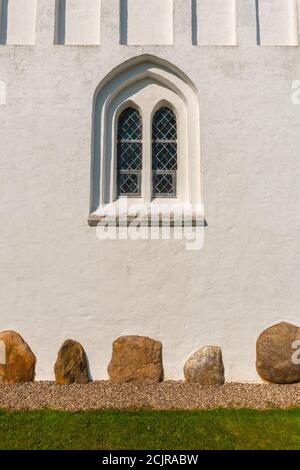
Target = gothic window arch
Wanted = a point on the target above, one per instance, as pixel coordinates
(160, 165)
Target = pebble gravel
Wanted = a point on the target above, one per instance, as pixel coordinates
(165, 396)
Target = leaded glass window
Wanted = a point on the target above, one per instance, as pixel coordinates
(130, 150)
(164, 153)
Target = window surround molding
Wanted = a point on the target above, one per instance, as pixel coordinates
(145, 83)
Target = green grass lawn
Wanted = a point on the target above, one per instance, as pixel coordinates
(114, 430)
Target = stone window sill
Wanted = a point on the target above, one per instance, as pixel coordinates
(161, 219)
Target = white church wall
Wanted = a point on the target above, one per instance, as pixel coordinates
(149, 22)
(216, 22)
(58, 281)
(2, 93)
(82, 22)
(278, 22)
(21, 22)
(298, 20)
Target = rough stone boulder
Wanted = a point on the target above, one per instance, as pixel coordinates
(136, 359)
(71, 366)
(17, 361)
(278, 354)
(205, 367)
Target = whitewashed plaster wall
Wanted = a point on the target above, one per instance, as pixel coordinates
(58, 281)
(216, 22)
(21, 22)
(278, 22)
(82, 22)
(150, 22)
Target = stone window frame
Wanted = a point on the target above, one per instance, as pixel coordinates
(146, 83)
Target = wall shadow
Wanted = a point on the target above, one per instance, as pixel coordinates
(124, 22)
(60, 22)
(3, 21)
(258, 31)
(194, 23)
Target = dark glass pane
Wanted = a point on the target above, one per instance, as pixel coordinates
(164, 125)
(130, 125)
(129, 184)
(130, 153)
(164, 156)
(164, 153)
(129, 156)
(164, 183)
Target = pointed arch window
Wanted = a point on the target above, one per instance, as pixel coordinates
(130, 153)
(164, 153)
(160, 162)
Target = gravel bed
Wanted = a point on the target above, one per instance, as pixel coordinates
(167, 395)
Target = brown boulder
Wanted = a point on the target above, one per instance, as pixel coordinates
(17, 364)
(71, 366)
(205, 367)
(276, 354)
(136, 359)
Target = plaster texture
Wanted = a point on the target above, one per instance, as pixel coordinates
(58, 281)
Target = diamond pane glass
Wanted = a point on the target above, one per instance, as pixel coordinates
(130, 125)
(129, 153)
(164, 125)
(164, 153)
(165, 156)
(164, 183)
(129, 183)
